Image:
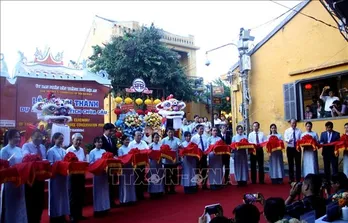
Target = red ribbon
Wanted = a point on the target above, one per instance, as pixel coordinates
(244, 144)
(192, 150)
(168, 153)
(219, 148)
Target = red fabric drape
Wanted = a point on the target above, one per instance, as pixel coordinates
(244, 144)
(273, 144)
(191, 150)
(219, 148)
(168, 153)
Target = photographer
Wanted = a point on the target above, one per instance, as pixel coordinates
(339, 184)
(310, 189)
(338, 109)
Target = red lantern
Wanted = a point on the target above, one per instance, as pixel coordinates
(308, 86)
(117, 111)
(118, 135)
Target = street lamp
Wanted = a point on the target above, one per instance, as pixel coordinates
(244, 68)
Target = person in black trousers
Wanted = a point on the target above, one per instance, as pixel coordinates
(35, 193)
(226, 136)
(257, 138)
(328, 152)
(110, 146)
(291, 136)
(76, 182)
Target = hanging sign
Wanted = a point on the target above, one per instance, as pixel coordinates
(217, 101)
(218, 90)
(139, 87)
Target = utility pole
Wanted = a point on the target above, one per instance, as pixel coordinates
(244, 68)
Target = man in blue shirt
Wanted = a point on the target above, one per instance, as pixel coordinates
(171, 168)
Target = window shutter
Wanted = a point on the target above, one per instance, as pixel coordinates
(290, 105)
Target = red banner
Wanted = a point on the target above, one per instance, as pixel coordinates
(8, 93)
(87, 98)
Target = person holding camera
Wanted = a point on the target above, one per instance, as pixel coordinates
(328, 100)
(338, 109)
(339, 184)
(312, 201)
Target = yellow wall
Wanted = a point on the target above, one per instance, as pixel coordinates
(302, 44)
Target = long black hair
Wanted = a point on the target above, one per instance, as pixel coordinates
(270, 131)
(54, 137)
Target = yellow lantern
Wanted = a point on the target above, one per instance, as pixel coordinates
(118, 100)
(139, 101)
(148, 102)
(157, 101)
(128, 101)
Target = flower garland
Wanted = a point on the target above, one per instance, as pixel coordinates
(153, 120)
(341, 199)
(133, 120)
(130, 123)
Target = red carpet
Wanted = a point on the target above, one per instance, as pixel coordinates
(184, 207)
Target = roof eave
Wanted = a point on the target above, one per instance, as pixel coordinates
(294, 12)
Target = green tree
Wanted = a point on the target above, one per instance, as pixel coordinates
(225, 104)
(141, 54)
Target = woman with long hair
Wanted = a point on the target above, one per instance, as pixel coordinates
(127, 179)
(156, 172)
(14, 209)
(241, 169)
(276, 159)
(189, 166)
(215, 163)
(58, 202)
(310, 162)
(101, 199)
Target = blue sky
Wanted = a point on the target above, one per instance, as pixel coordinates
(64, 25)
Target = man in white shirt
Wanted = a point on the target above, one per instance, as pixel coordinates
(217, 121)
(291, 136)
(140, 184)
(202, 141)
(171, 169)
(76, 182)
(257, 138)
(35, 194)
(138, 142)
(194, 124)
(328, 100)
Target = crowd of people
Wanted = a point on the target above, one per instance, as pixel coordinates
(307, 201)
(66, 194)
(328, 105)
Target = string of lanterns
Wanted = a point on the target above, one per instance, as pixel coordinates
(137, 101)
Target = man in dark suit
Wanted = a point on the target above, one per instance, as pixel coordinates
(226, 136)
(110, 146)
(329, 136)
